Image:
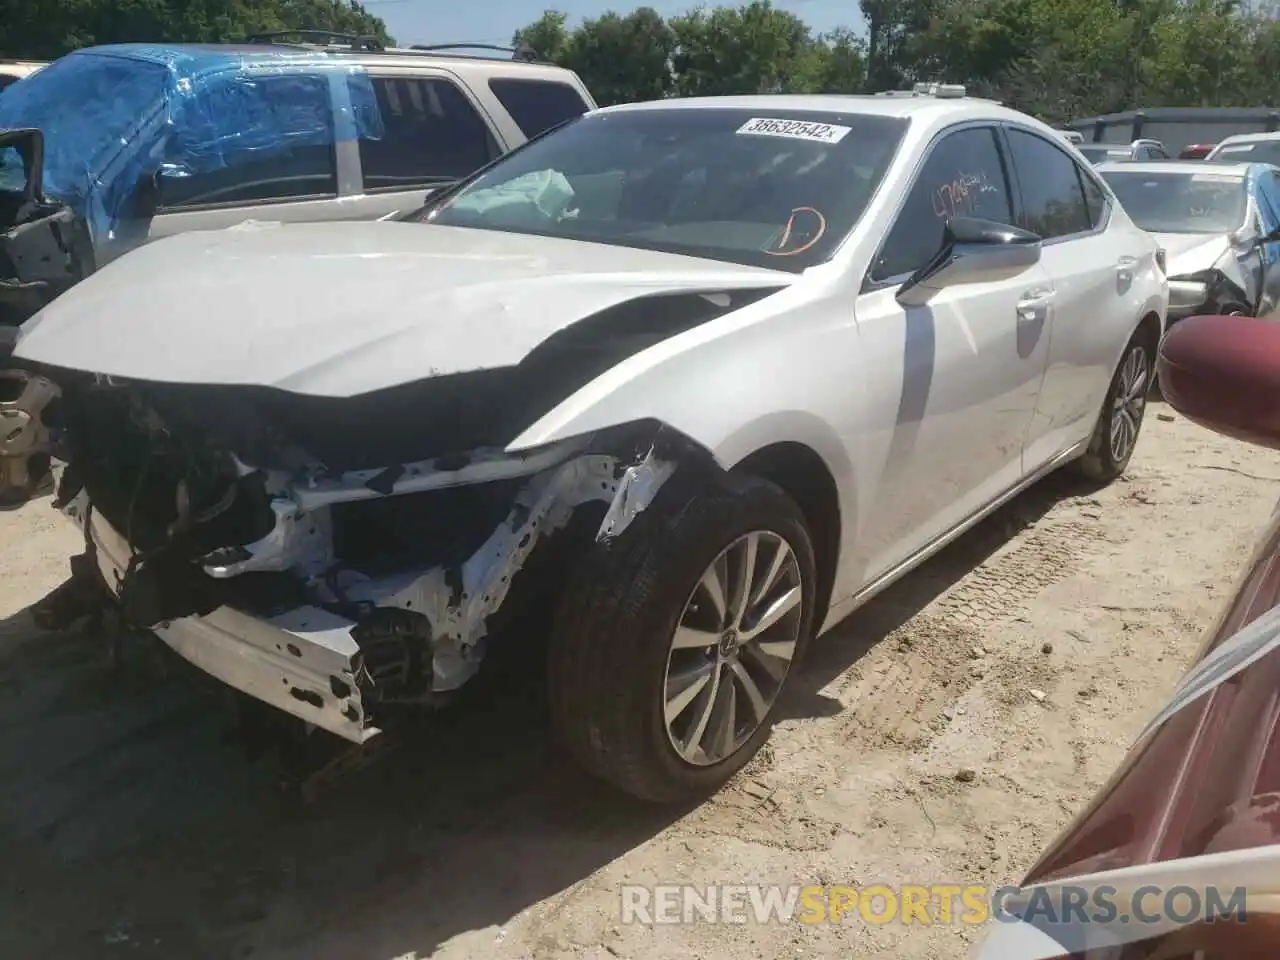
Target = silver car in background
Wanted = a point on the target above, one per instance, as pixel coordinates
(1219, 227)
(1248, 148)
(1137, 151)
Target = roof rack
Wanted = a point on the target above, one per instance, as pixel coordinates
(370, 44)
(320, 38)
(523, 52)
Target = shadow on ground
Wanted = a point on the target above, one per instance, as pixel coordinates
(133, 826)
(852, 639)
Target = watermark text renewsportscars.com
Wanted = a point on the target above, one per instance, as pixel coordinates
(946, 904)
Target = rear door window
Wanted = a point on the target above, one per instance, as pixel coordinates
(1053, 200)
(538, 105)
(431, 133)
(252, 140)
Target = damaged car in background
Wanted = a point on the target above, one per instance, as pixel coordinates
(1219, 227)
(677, 386)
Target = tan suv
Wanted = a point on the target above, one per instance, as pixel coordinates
(151, 140)
(11, 71)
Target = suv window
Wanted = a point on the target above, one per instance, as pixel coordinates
(1053, 202)
(430, 133)
(285, 151)
(537, 105)
(963, 176)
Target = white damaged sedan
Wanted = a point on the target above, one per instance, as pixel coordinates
(679, 385)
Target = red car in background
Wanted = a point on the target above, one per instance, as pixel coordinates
(1196, 803)
(1196, 151)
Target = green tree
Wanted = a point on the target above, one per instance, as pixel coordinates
(755, 48)
(835, 62)
(1057, 59)
(623, 59)
(546, 35)
(1200, 57)
(45, 29)
(895, 29)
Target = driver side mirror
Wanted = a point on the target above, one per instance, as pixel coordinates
(972, 251)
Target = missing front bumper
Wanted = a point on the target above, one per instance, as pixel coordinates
(303, 662)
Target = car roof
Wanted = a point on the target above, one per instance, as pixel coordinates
(895, 105)
(1177, 166)
(208, 57)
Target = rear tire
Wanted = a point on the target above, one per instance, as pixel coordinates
(628, 649)
(1116, 434)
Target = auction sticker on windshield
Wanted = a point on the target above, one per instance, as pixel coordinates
(794, 129)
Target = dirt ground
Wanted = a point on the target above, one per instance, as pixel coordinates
(1029, 653)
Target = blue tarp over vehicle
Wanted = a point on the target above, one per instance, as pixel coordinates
(113, 114)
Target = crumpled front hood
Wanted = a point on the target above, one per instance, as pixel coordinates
(1188, 253)
(339, 309)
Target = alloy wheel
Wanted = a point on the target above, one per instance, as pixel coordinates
(733, 648)
(1132, 381)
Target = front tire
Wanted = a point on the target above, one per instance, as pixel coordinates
(1116, 434)
(675, 642)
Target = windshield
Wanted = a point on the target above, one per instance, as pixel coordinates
(86, 104)
(1259, 151)
(766, 187)
(1181, 202)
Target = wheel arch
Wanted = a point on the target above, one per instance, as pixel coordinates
(804, 476)
(1151, 329)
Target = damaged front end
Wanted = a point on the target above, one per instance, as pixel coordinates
(307, 561)
(44, 246)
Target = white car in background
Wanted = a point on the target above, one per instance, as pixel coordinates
(1137, 151)
(1219, 226)
(1248, 148)
(694, 378)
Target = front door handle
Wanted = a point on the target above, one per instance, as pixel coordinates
(1033, 306)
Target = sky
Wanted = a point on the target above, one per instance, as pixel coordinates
(493, 21)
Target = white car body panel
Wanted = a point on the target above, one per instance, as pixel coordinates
(1230, 148)
(1090, 283)
(339, 309)
(1192, 252)
(953, 419)
(926, 417)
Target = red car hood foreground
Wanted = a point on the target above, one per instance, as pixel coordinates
(1196, 802)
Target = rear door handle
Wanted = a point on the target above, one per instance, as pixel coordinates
(1124, 269)
(1033, 306)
